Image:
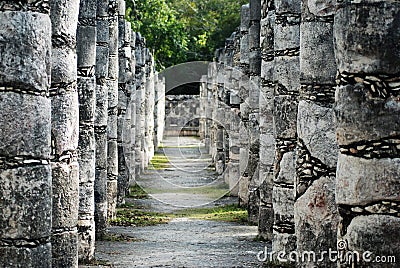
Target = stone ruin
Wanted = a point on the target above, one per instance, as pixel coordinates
(81, 115)
(300, 112)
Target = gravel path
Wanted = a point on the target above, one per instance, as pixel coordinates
(183, 242)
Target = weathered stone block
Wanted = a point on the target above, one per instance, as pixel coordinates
(65, 194)
(317, 218)
(86, 46)
(355, 107)
(101, 116)
(64, 249)
(288, 6)
(35, 257)
(287, 171)
(374, 50)
(285, 116)
(86, 201)
(265, 222)
(283, 242)
(63, 65)
(267, 149)
(87, 9)
(286, 36)
(87, 98)
(112, 158)
(364, 181)
(25, 65)
(102, 58)
(65, 120)
(378, 234)
(103, 31)
(87, 148)
(245, 18)
(25, 125)
(25, 194)
(317, 61)
(287, 74)
(283, 199)
(316, 128)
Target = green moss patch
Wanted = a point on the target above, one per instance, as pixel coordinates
(134, 217)
(137, 192)
(227, 213)
(159, 161)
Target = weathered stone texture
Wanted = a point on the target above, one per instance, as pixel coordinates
(25, 137)
(86, 50)
(367, 111)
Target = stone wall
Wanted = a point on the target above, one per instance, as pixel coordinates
(182, 114)
(313, 106)
(69, 144)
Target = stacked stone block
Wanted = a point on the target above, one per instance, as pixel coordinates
(101, 117)
(124, 95)
(112, 121)
(287, 83)
(140, 102)
(316, 216)
(65, 133)
(368, 127)
(25, 139)
(254, 118)
(244, 180)
(86, 50)
(266, 103)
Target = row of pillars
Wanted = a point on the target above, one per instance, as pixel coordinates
(301, 114)
(81, 115)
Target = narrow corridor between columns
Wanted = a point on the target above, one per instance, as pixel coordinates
(179, 188)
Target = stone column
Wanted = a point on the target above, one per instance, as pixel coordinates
(149, 108)
(65, 133)
(86, 49)
(244, 106)
(287, 84)
(101, 117)
(254, 95)
(367, 42)
(25, 136)
(316, 216)
(139, 98)
(266, 103)
(112, 122)
(132, 103)
(124, 55)
(159, 111)
(234, 102)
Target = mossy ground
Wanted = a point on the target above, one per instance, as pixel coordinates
(227, 213)
(135, 217)
(137, 192)
(159, 161)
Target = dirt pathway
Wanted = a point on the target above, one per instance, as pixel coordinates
(186, 181)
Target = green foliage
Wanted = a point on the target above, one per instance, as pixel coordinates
(184, 30)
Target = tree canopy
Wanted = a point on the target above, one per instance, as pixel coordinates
(184, 30)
